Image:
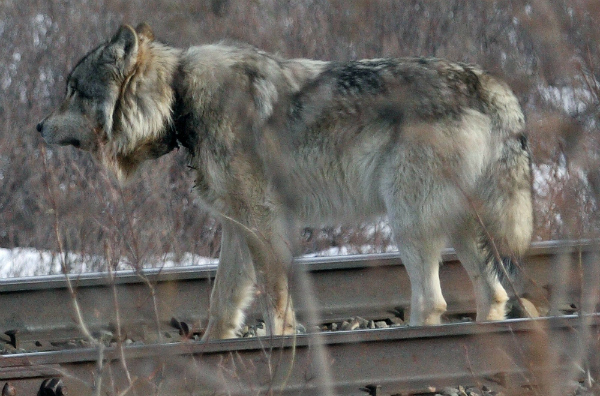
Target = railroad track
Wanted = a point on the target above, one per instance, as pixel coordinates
(165, 308)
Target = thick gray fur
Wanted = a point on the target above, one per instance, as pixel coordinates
(438, 147)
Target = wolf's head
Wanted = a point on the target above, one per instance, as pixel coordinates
(118, 102)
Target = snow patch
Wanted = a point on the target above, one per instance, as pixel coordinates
(26, 262)
(352, 250)
(572, 100)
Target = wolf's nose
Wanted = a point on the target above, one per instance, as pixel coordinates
(39, 127)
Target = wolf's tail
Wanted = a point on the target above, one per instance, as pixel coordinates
(506, 199)
(505, 193)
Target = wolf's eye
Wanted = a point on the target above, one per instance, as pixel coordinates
(74, 87)
(82, 94)
(70, 89)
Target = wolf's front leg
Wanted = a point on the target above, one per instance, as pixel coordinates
(233, 290)
(272, 257)
(277, 302)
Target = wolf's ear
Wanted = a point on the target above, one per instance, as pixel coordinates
(123, 48)
(144, 32)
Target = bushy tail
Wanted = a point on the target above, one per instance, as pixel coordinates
(506, 267)
(507, 213)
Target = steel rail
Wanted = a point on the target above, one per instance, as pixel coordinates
(533, 353)
(539, 353)
(372, 286)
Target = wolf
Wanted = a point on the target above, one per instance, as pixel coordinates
(440, 148)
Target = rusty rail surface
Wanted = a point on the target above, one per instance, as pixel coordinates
(517, 355)
(37, 315)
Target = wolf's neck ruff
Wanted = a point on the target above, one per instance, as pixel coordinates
(143, 118)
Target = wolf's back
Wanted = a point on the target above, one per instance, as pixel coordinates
(502, 105)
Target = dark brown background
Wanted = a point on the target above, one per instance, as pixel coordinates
(547, 50)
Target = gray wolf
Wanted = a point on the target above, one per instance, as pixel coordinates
(438, 147)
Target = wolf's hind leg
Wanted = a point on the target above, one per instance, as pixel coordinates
(422, 261)
(233, 290)
(490, 296)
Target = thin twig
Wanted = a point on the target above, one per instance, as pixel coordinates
(79, 316)
(118, 316)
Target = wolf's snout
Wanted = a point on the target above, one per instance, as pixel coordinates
(40, 127)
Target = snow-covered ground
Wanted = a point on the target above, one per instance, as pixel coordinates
(30, 262)
(24, 262)
(349, 250)
(573, 100)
